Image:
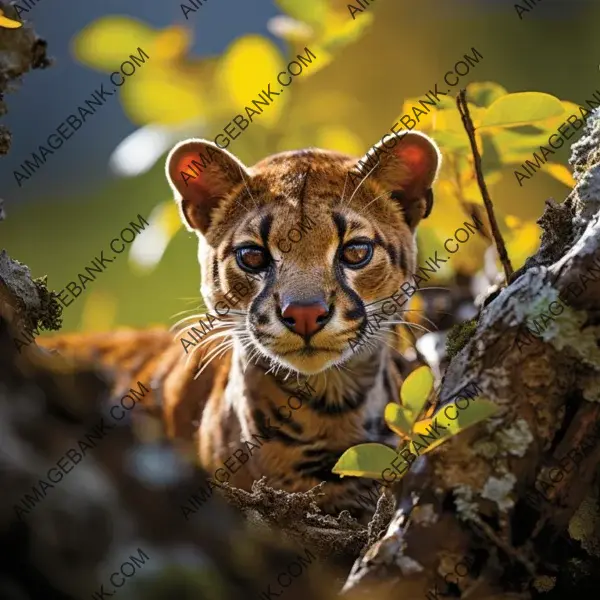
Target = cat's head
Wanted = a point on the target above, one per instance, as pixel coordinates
(313, 238)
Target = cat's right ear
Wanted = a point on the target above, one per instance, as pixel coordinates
(201, 175)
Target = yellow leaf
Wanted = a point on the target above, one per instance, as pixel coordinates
(8, 23)
(551, 125)
(522, 108)
(478, 410)
(246, 69)
(340, 31)
(108, 41)
(365, 460)
(484, 93)
(172, 43)
(415, 391)
(420, 427)
(561, 173)
(310, 11)
(398, 419)
(522, 241)
(161, 95)
(340, 139)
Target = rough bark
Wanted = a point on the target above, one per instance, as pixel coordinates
(474, 498)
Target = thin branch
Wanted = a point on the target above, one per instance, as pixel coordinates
(469, 208)
(463, 109)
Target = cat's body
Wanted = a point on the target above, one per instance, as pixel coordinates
(285, 312)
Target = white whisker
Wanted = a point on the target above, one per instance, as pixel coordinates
(344, 190)
(361, 182)
(369, 204)
(247, 188)
(214, 354)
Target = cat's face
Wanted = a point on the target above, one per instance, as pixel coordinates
(294, 250)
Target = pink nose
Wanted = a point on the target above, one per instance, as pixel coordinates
(305, 319)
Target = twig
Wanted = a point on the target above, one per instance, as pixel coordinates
(463, 109)
(470, 210)
(505, 546)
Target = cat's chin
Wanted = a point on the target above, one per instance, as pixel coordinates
(305, 363)
(311, 365)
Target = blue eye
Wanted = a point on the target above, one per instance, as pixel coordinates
(252, 258)
(356, 254)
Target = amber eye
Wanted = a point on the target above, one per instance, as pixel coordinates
(357, 254)
(252, 258)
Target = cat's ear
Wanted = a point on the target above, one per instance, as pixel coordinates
(407, 168)
(201, 174)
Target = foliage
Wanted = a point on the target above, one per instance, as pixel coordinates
(8, 23)
(370, 460)
(509, 129)
(177, 91)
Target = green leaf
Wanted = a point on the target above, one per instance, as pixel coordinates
(484, 93)
(415, 391)
(310, 11)
(561, 173)
(478, 410)
(521, 109)
(107, 41)
(398, 419)
(365, 460)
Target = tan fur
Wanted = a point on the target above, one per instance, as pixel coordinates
(229, 205)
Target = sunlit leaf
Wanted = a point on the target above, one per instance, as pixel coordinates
(9, 23)
(485, 93)
(561, 173)
(421, 427)
(162, 96)
(398, 419)
(478, 410)
(313, 12)
(249, 65)
(551, 125)
(342, 31)
(108, 41)
(172, 43)
(415, 391)
(521, 109)
(340, 139)
(522, 240)
(514, 147)
(365, 460)
(471, 190)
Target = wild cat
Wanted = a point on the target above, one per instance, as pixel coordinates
(284, 311)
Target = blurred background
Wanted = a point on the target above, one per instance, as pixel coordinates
(201, 73)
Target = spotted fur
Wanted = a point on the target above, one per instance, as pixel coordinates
(252, 362)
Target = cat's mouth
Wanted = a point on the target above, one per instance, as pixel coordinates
(308, 351)
(308, 359)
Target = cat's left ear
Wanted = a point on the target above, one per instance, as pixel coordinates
(201, 175)
(408, 169)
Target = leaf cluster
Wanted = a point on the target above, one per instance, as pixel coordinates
(372, 459)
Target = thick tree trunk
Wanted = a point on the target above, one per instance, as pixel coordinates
(514, 501)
